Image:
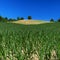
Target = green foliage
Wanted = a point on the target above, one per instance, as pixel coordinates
(58, 20)
(1, 19)
(12, 19)
(19, 42)
(6, 18)
(52, 20)
(18, 18)
(22, 18)
(29, 17)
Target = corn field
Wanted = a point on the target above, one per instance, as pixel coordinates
(29, 42)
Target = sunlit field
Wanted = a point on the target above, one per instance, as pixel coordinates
(27, 22)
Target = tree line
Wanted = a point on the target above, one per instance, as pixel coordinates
(52, 20)
(5, 19)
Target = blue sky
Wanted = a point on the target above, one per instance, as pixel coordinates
(38, 9)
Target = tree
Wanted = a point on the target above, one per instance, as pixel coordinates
(22, 18)
(18, 18)
(52, 20)
(58, 20)
(11, 19)
(29, 17)
(1, 18)
(6, 18)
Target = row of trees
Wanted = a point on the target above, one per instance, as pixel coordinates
(2, 19)
(52, 20)
(29, 17)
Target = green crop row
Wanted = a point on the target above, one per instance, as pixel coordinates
(29, 42)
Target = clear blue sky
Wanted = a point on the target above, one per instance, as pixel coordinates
(38, 9)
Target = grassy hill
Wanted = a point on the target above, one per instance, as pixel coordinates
(29, 22)
(29, 42)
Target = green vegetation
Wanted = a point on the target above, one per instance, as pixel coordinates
(20, 18)
(58, 20)
(2, 19)
(51, 20)
(29, 17)
(11, 19)
(26, 42)
(5, 19)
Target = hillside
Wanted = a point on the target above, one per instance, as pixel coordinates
(29, 22)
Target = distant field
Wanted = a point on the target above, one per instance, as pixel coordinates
(29, 22)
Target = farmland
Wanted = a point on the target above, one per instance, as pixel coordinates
(28, 22)
(29, 42)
